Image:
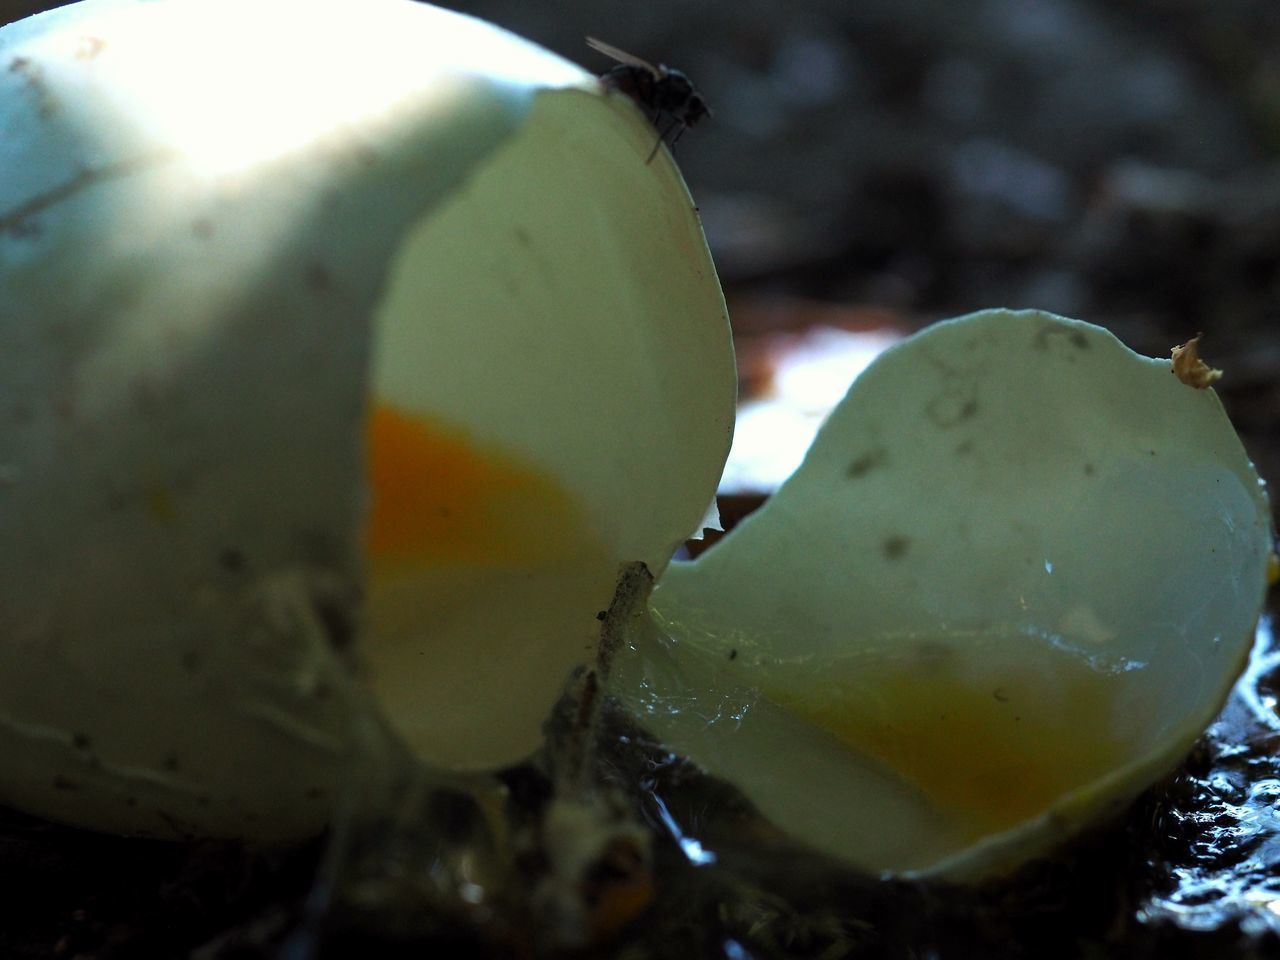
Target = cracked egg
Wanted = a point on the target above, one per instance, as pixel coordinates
(1010, 585)
(346, 350)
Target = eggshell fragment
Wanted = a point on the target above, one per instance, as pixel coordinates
(1012, 582)
(277, 281)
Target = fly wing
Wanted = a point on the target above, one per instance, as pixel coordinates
(621, 55)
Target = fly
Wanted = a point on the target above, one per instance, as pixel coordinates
(660, 91)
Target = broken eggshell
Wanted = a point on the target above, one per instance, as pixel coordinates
(362, 334)
(353, 334)
(1010, 585)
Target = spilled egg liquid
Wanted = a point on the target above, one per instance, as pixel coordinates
(988, 733)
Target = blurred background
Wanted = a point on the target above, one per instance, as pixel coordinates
(880, 164)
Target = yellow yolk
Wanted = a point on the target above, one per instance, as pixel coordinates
(439, 499)
(486, 574)
(989, 753)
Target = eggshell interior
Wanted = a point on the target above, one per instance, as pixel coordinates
(577, 345)
(1012, 582)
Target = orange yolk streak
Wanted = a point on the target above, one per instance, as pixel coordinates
(440, 499)
(993, 754)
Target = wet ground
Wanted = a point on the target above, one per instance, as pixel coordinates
(1190, 871)
(1215, 833)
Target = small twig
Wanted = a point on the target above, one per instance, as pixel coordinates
(630, 599)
